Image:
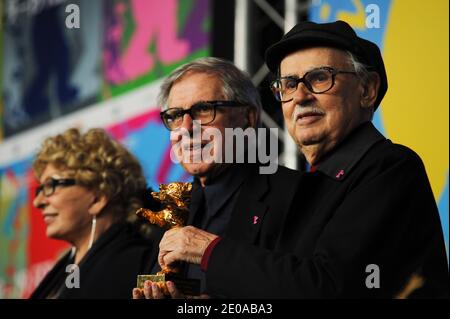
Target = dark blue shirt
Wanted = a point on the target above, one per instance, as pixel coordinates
(212, 206)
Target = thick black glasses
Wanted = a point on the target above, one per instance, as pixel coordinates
(48, 187)
(204, 112)
(316, 81)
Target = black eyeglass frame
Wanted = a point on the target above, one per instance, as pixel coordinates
(53, 183)
(308, 85)
(214, 104)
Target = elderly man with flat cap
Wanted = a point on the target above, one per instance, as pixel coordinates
(366, 224)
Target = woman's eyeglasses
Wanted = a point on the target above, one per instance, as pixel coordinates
(48, 186)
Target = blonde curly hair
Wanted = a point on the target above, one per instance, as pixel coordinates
(100, 164)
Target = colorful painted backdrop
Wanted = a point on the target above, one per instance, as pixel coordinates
(106, 73)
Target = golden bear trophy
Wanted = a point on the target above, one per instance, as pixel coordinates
(175, 199)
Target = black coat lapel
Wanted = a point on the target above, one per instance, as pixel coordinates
(52, 279)
(250, 209)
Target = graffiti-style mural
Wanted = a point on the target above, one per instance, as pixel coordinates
(50, 69)
(51, 73)
(146, 39)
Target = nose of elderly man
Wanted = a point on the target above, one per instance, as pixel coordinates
(302, 95)
(187, 123)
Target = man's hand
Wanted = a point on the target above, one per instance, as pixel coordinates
(183, 244)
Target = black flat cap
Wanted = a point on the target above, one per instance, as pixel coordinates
(337, 35)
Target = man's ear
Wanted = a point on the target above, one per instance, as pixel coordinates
(370, 91)
(98, 204)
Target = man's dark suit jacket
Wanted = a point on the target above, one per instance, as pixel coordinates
(365, 223)
(261, 206)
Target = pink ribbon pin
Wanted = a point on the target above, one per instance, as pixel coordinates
(255, 220)
(340, 174)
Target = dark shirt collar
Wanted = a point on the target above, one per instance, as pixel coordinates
(219, 190)
(339, 162)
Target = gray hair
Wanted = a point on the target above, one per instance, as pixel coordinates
(363, 72)
(361, 69)
(237, 85)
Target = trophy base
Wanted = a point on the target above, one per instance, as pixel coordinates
(186, 286)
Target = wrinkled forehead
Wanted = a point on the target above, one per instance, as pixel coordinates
(306, 59)
(194, 87)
